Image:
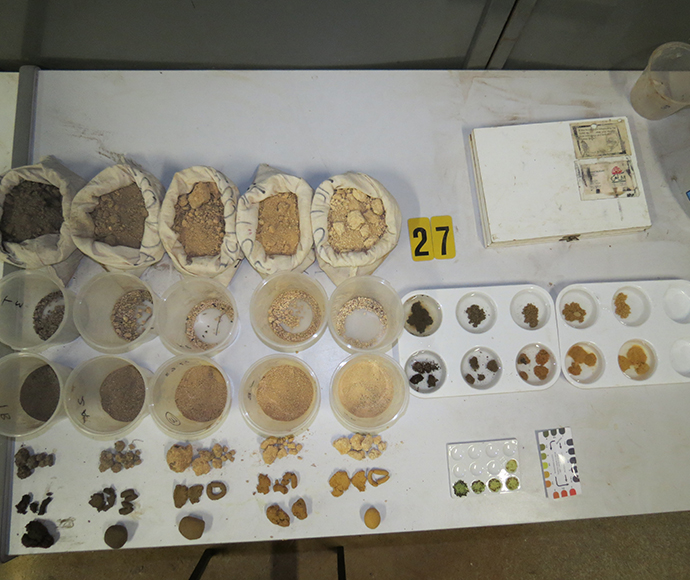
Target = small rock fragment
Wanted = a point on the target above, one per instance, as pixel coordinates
(179, 457)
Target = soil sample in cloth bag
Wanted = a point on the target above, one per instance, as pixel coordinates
(35, 201)
(273, 223)
(356, 224)
(197, 224)
(114, 218)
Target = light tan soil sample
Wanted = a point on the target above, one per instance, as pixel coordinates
(339, 482)
(372, 518)
(216, 490)
(636, 357)
(223, 308)
(530, 315)
(131, 313)
(359, 480)
(378, 476)
(580, 356)
(359, 446)
(116, 536)
(285, 393)
(179, 457)
(277, 516)
(356, 221)
(180, 495)
(264, 485)
(201, 467)
(119, 216)
(273, 448)
(26, 462)
(360, 303)
(199, 221)
(201, 394)
(278, 228)
(122, 394)
(191, 528)
(299, 509)
(622, 307)
(31, 210)
(366, 388)
(48, 314)
(281, 314)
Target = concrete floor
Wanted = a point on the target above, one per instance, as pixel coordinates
(650, 547)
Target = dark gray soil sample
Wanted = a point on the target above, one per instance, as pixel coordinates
(37, 536)
(123, 393)
(475, 315)
(48, 314)
(116, 536)
(44, 504)
(419, 317)
(118, 219)
(31, 210)
(23, 504)
(40, 393)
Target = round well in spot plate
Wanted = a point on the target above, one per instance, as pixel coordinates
(680, 356)
(578, 307)
(536, 364)
(421, 367)
(677, 301)
(584, 363)
(416, 322)
(476, 312)
(637, 359)
(531, 308)
(631, 305)
(481, 368)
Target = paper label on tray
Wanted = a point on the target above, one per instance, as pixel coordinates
(604, 179)
(558, 462)
(602, 139)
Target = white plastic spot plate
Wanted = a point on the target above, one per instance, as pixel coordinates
(483, 465)
(654, 315)
(501, 335)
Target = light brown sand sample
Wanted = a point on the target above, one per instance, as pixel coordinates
(356, 221)
(366, 388)
(131, 313)
(199, 221)
(122, 394)
(285, 392)
(622, 307)
(201, 394)
(281, 314)
(119, 217)
(278, 227)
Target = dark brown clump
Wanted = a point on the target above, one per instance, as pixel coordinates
(37, 536)
(426, 366)
(474, 363)
(23, 503)
(531, 315)
(431, 380)
(419, 318)
(48, 314)
(31, 210)
(542, 357)
(476, 315)
(469, 378)
(119, 217)
(492, 365)
(480, 378)
(26, 462)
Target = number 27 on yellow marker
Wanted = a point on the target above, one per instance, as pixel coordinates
(420, 239)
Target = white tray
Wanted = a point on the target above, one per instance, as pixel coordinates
(659, 315)
(504, 336)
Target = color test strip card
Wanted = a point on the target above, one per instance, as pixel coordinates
(558, 462)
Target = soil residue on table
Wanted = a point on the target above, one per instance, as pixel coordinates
(201, 394)
(356, 221)
(31, 210)
(278, 228)
(122, 393)
(199, 220)
(119, 217)
(40, 393)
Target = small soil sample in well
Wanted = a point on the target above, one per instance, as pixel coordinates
(573, 312)
(209, 323)
(534, 364)
(635, 362)
(199, 221)
(475, 315)
(278, 228)
(356, 221)
(285, 393)
(366, 388)
(131, 314)
(119, 217)
(530, 315)
(40, 393)
(361, 307)
(425, 373)
(31, 210)
(480, 368)
(294, 316)
(48, 314)
(622, 307)
(201, 394)
(419, 318)
(123, 393)
(583, 363)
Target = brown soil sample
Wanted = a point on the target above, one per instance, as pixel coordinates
(492, 365)
(285, 393)
(223, 308)
(299, 509)
(120, 458)
(339, 482)
(636, 357)
(541, 372)
(372, 518)
(48, 314)
(123, 393)
(40, 393)
(366, 388)
(180, 495)
(119, 217)
(573, 312)
(475, 315)
(419, 317)
(199, 221)
(542, 357)
(622, 307)
(356, 221)
(474, 363)
(216, 490)
(523, 375)
(31, 210)
(191, 528)
(283, 312)
(131, 313)
(26, 462)
(273, 448)
(201, 394)
(264, 485)
(531, 315)
(278, 516)
(194, 493)
(37, 536)
(278, 228)
(116, 536)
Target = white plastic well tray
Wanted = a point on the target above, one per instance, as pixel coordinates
(659, 316)
(503, 332)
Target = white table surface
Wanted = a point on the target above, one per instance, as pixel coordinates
(410, 131)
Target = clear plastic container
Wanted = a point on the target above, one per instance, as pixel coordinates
(355, 319)
(14, 369)
(83, 402)
(93, 310)
(308, 329)
(163, 408)
(360, 371)
(193, 320)
(252, 412)
(20, 294)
